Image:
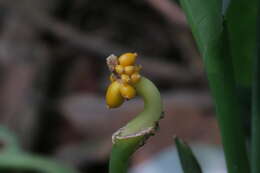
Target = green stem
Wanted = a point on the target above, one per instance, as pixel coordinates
(129, 138)
(255, 151)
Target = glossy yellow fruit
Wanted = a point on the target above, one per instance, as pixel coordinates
(135, 78)
(127, 59)
(113, 96)
(127, 91)
(119, 69)
(125, 78)
(129, 69)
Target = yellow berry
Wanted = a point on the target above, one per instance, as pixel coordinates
(113, 96)
(112, 77)
(129, 69)
(125, 78)
(135, 77)
(119, 69)
(127, 91)
(127, 59)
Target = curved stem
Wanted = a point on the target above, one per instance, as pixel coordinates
(129, 138)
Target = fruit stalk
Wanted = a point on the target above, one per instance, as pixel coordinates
(132, 136)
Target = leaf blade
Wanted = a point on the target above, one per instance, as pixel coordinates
(188, 161)
(241, 16)
(219, 68)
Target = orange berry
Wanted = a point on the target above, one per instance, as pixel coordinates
(127, 91)
(135, 78)
(125, 78)
(119, 69)
(129, 69)
(113, 95)
(127, 59)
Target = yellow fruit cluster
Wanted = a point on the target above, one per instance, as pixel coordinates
(124, 75)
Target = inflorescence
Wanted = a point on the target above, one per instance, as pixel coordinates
(124, 75)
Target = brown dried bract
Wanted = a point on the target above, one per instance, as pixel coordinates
(112, 62)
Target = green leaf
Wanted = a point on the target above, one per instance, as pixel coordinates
(8, 140)
(255, 150)
(188, 161)
(205, 19)
(12, 157)
(241, 21)
(29, 162)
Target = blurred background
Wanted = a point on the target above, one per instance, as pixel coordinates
(53, 81)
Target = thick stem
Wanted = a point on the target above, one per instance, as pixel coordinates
(129, 138)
